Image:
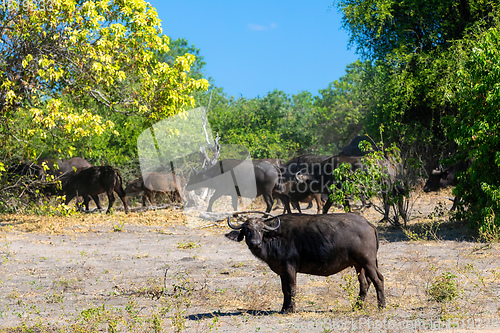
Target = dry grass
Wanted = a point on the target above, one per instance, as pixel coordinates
(164, 271)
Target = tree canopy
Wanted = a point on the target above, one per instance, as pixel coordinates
(57, 55)
(433, 87)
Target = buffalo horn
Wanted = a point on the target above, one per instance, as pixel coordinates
(232, 226)
(254, 212)
(297, 176)
(437, 172)
(268, 228)
(237, 227)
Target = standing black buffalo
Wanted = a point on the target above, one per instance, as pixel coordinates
(310, 174)
(314, 244)
(93, 181)
(445, 176)
(442, 177)
(238, 178)
(62, 170)
(320, 178)
(294, 191)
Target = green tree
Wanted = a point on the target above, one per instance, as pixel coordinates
(179, 48)
(341, 108)
(255, 123)
(409, 42)
(402, 28)
(56, 57)
(476, 129)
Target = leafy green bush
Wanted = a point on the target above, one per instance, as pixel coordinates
(381, 175)
(476, 129)
(444, 288)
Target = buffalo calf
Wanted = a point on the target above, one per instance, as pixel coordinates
(158, 182)
(314, 244)
(93, 181)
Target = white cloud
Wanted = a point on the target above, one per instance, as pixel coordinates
(260, 27)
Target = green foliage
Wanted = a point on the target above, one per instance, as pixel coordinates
(381, 27)
(259, 124)
(179, 48)
(56, 60)
(477, 127)
(341, 108)
(380, 175)
(444, 288)
(433, 85)
(409, 43)
(279, 125)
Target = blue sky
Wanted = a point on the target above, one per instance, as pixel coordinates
(253, 47)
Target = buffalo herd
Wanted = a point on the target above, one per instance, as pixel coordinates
(318, 244)
(305, 178)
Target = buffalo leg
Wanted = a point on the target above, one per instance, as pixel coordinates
(289, 288)
(269, 202)
(97, 201)
(144, 199)
(234, 201)
(296, 205)
(148, 196)
(86, 202)
(124, 201)
(69, 197)
(286, 204)
(111, 200)
(319, 203)
(364, 284)
(373, 274)
(327, 205)
(123, 196)
(214, 197)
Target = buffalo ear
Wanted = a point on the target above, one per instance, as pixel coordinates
(234, 236)
(241, 235)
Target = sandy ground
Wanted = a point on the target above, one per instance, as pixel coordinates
(169, 271)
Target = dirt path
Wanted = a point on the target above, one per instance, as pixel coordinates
(162, 271)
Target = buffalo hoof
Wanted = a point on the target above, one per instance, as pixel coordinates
(358, 305)
(287, 310)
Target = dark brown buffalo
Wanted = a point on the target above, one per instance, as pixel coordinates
(62, 167)
(320, 177)
(256, 178)
(93, 181)
(353, 149)
(157, 182)
(445, 176)
(293, 192)
(62, 170)
(295, 200)
(30, 170)
(314, 244)
(442, 177)
(308, 175)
